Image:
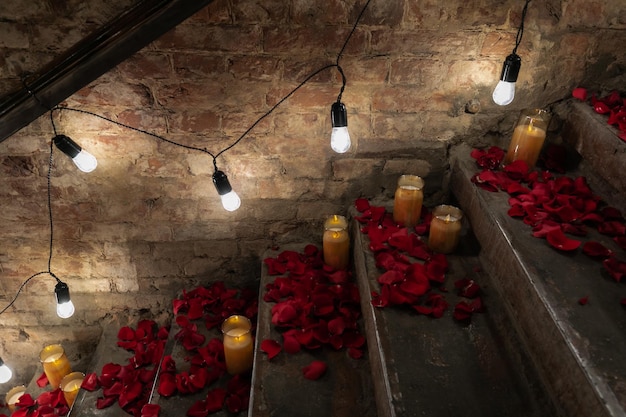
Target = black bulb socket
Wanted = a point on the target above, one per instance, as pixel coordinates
(338, 115)
(67, 145)
(220, 180)
(511, 67)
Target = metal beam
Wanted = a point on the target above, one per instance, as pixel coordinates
(90, 58)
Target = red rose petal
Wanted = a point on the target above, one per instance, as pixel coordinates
(167, 385)
(615, 268)
(90, 382)
(315, 370)
(42, 381)
(558, 240)
(215, 400)
(271, 347)
(596, 250)
(362, 204)
(105, 402)
(583, 301)
(580, 93)
(150, 410)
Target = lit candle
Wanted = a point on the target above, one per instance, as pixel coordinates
(238, 344)
(70, 385)
(55, 364)
(445, 228)
(407, 201)
(14, 395)
(528, 137)
(336, 242)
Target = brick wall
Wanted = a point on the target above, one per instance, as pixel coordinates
(148, 222)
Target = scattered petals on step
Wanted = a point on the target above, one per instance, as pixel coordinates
(488, 159)
(315, 370)
(167, 384)
(467, 288)
(271, 347)
(215, 400)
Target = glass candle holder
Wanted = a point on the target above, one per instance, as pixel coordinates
(70, 385)
(528, 137)
(407, 201)
(55, 364)
(445, 229)
(14, 395)
(336, 242)
(238, 344)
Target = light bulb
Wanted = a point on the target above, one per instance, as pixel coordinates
(85, 161)
(504, 93)
(65, 310)
(5, 372)
(231, 201)
(65, 307)
(339, 138)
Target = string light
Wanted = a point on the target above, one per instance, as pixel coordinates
(504, 93)
(230, 200)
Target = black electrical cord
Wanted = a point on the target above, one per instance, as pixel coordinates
(520, 30)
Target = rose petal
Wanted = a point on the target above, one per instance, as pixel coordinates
(90, 382)
(583, 301)
(558, 240)
(314, 370)
(580, 93)
(596, 250)
(271, 347)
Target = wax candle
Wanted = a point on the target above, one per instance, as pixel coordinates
(407, 201)
(55, 364)
(445, 229)
(528, 137)
(70, 385)
(238, 344)
(14, 395)
(336, 242)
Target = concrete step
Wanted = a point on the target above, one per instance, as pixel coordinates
(578, 350)
(279, 388)
(426, 366)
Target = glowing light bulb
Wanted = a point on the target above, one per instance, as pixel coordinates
(339, 138)
(504, 93)
(85, 161)
(5, 372)
(231, 201)
(65, 310)
(65, 307)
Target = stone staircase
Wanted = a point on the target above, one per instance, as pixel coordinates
(535, 351)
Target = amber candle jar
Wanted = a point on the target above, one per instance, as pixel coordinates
(55, 364)
(238, 344)
(336, 242)
(407, 202)
(70, 385)
(445, 229)
(528, 137)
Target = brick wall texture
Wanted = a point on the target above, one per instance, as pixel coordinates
(148, 223)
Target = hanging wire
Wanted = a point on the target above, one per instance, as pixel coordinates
(520, 30)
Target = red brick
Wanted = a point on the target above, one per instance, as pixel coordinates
(313, 40)
(194, 121)
(274, 12)
(211, 38)
(445, 44)
(304, 12)
(146, 65)
(254, 67)
(187, 65)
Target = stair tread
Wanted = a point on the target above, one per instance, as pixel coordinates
(436, 366)
(279, 387)
(579, 349)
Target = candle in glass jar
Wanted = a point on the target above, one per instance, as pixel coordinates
(445, 229)
(238, 344)
(528, 137)
(14, 395)
(408, 198)
(336, 242)
(70, 385)
(55, 364)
